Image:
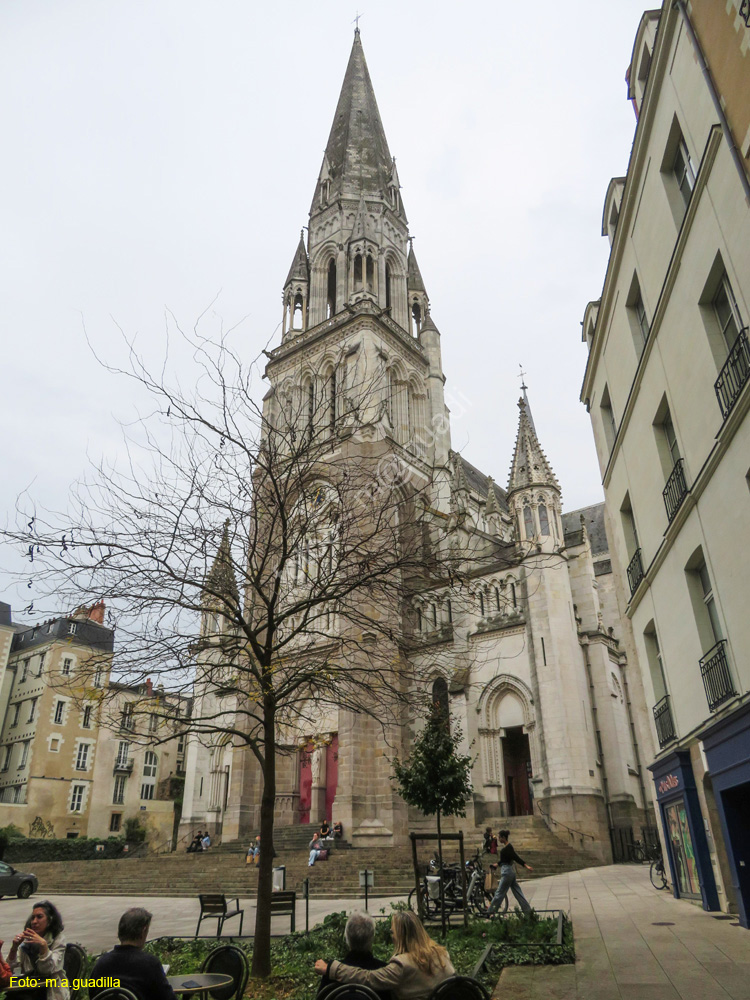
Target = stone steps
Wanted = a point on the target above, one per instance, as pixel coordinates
(223, 868)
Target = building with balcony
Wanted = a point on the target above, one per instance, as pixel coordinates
(666, 385)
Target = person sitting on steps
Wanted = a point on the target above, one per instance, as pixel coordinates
(315, 847)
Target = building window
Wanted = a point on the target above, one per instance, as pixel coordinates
(16, 713)
(17, 794)
(710, 603)
(153, 721)
(67, 664)
(24, 754)
(24, 671)
(82, 760)
(54, 744)
(86, 721)
(118, 796)
(32, 710)
(528, 521)
(7, 754)
(72, 628)
(98, 677)
(40, 668)
(76, 798)
(115, 822)
(59, 713)
(637, 315)
(683, 171)
(127, 717)
(543, 519)
(608, 418)
(150, 762)
(440, 697)
(726, 312)
(123, 752)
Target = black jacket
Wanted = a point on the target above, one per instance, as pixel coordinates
(137, 970)
(360, 959)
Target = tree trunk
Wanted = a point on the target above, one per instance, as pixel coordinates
(442, 880)
(262, 945)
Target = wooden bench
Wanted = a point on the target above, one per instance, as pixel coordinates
(214, 907)
(284, 904)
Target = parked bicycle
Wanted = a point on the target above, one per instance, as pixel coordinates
(657, 874)
(643, 853)
(477, 897)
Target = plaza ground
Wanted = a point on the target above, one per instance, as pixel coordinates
(632, 942)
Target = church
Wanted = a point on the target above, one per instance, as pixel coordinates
(533, 658)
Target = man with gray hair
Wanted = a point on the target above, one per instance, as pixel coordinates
(359, 934)
(137, 971)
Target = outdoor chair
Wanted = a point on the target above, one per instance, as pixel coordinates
(352, 991)
(118, 993)
(229, 961)
(73, 964)
(214, 907)
(460, 988)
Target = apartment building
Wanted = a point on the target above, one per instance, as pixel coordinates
(666, 385)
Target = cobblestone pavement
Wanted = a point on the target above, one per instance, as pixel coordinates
(633, 943)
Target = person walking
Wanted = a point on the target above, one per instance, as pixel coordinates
(508, 880)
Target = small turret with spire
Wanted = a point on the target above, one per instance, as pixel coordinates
(296, 292)
(220, 594)
(533, 490)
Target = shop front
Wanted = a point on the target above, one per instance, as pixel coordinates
(727, 748)
(684, 831)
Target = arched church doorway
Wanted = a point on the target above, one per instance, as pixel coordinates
(517, 768)
(318, 779)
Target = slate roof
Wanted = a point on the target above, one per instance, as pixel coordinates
(594, 520)
(479, 483)
(357, 158)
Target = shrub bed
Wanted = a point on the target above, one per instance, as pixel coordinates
(519, 941)
(22, 852)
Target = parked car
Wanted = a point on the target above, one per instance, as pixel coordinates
(15, 883)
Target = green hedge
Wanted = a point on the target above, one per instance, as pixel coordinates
(29, 850)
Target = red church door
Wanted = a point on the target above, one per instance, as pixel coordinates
(305, 783)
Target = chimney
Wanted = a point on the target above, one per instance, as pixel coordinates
(96, 613)
(149, 688)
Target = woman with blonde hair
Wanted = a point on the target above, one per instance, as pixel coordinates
(418, 964)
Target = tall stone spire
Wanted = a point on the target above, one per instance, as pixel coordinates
(530, 466)
(299, 269)
(220, 579)
(357, 160)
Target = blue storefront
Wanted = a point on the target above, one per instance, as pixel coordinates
(684, 832)
(727, 748)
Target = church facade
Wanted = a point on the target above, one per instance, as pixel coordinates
(531, 653)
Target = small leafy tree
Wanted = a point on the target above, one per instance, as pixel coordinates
(435, 777)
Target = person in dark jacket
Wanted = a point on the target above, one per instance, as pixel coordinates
(137, 970)
(359, 934)
(508, 880)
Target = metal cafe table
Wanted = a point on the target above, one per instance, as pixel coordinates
(198, 983)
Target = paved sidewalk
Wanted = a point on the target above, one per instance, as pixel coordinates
(622, 953)
(92, 920)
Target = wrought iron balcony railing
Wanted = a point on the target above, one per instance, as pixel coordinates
(635, 571)
(717, 679)
(664, 722)
(676, 489)
(123, 765)
(734, 374)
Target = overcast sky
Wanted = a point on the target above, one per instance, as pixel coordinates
(163, 152)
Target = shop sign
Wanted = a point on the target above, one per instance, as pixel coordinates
(668, 784)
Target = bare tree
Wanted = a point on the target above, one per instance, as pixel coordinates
(263, 559)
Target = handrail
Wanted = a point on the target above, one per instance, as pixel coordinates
(578, 833)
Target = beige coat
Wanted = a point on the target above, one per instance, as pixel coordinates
(50, 967)
(405, 979)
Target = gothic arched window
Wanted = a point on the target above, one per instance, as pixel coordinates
(358, 271)
(332, 389)
(297, 317)
(387, 286)
(370, 273)
(528, 521)
(331, 290)
(308, 401)
(440, 697)
(497, 598)
(543, 519)
(481, 604)
(416, 318)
